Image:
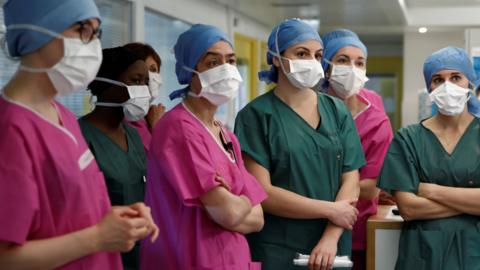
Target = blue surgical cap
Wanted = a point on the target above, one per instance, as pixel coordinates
(448, 58)
(54, 15)
(290, 32)
(190, 47)
(338, 39)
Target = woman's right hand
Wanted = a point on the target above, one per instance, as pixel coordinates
(120, 229)
(344, 213)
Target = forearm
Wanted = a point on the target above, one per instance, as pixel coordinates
(225, 208)
(350, 189)
(253, 222)
(49, 253)
(285, 203)
(464, 200)
(413, 207)
(368, 189)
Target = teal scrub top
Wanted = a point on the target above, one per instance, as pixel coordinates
(416, 155)
(124, 172)
(302, 159)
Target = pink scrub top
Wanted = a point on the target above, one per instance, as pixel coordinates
(183, 161)
(375, 133)
(142, 128)
(50, 182)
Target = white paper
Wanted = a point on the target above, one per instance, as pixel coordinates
(391, 216)
(340, 261)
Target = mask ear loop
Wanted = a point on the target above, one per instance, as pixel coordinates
(278, 51)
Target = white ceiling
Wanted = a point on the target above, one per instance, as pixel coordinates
(441, 3)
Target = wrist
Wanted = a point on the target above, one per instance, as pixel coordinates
(90, 237)
(327, 209)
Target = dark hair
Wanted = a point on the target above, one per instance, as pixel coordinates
(115, 61)
(143, 51)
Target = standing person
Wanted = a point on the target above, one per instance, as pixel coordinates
(302, 146)
(432, 168)
(154, 63)
(345, 63)
(53, 201)
(121, 91)
(202, 197)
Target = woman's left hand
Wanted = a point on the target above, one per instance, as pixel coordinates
(323, 255)
(426, 190)
(145, 212)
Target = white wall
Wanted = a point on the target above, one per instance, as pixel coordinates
(416, 48)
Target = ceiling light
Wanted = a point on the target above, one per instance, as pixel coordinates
(422, 30)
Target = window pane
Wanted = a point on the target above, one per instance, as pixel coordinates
(162, 32)
(7, 66)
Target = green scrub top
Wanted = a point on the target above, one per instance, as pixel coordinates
(302, 159)
(416, 155)
(124, 172)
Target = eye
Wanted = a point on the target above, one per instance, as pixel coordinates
(232, 61)
(213, 63)
(302, 54)
(455, 78)
(318, 56)
(360, 64)
(437, 80)
(343, 61)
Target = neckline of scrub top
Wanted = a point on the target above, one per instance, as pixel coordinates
(108, 138)
(319, 125)
(440, 143)
(209, 132)
(56, 125)
(364, 100)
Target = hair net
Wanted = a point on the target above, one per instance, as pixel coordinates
(338, 39)
(54, 15)
(190, 47)
(448, 58)
(285, 35)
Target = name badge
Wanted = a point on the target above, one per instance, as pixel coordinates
(85, 159)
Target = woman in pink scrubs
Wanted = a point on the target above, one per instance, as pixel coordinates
(54, 207)
(344, 61)
(201, 195)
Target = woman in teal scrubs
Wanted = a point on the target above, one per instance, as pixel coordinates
(304, 149)
(433, 170)
(117, 147)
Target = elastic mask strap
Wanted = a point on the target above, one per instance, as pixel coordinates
(35, 28)
(101, 79)
(278, 51)
(190, 69)
(109, 104)
(33, 70)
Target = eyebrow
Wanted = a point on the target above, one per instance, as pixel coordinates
(307, 49)
(344, 55)
(217, 54)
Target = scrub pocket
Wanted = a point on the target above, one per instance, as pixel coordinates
(410, 264)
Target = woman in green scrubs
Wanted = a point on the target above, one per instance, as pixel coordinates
(304, 149)
(433, 170)
(117, 147)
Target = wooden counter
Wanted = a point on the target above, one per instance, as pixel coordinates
(383, 232)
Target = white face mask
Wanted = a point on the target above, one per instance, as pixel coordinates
(136, 107)
(348, 80)
(219, 84)
(78, 66)
(154, 84)
(303, 74)
(450, 98)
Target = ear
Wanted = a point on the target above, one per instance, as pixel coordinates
(275, 61)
